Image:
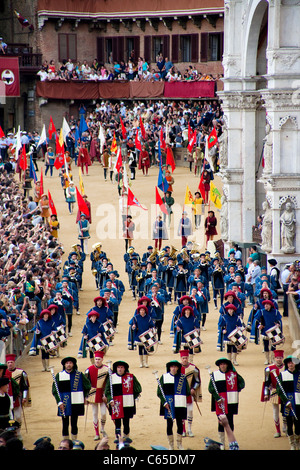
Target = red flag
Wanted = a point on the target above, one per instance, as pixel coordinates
(170, 159)
(23, 159)
(137, 141)
(192, 142)
(212, 138)
(81, 204)
(10, 75)
(132, 200)
(162, 140)
(51, 204)
(59, 161)
(201, 187)
(51, 129)
(42, 183)
(119, 161)
(143, 132)
(1, 133)
(114, 146)
(159, 202)
(124, 133)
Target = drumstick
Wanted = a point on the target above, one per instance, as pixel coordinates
(163, 394)
(274, 372)
(215, 387)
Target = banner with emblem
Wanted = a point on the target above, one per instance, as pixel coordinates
(9, 75)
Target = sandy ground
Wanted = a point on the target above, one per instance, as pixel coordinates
(254, 427)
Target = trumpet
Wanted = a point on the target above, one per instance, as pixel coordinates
(76, 249)
(152, 257)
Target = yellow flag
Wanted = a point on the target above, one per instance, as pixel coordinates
(81, 182)
(61, 138)
(188, 197)
(114, 146)
(215, 195)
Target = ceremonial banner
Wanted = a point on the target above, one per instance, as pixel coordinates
(51, 204)
(215, 195)
(189, 200)
(81, 204)
(51, 129)
(159, 202)
(212, 138)
(9, 74)
(132, 200)
(170, 159)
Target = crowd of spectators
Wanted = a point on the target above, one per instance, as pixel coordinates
(141, 70)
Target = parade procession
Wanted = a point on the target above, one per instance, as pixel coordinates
(135, 312)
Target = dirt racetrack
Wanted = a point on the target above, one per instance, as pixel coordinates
(254, 426)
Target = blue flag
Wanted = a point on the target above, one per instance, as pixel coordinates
(77, 135)
(82, 125)
(32, 173)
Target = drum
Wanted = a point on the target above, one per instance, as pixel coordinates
(275, 335)
(149, 339)
(109, 329)
(61, 335)
(49, 343)
(96, 343)
(192, 339)
(238, 338)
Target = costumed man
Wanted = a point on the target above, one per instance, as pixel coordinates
(192, 374)
(6, 413)
(140, 323)
(97, 374)
(173, 390)
(21, 377)
(288, 391)
(70, 391)
(187, 323)
(227, 324)
(180, 282)
(13, 391)
(268, 317)
(224, 387)
(44, 327)
(122, 390)
(92, 328)
(269, 392)
(84, 159)
(84, 233)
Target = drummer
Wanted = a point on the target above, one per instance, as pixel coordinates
(44, 328)
(140, 323)
(227, 324)
(268, 317)
(186, 323)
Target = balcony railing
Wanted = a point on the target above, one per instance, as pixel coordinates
(29, 62)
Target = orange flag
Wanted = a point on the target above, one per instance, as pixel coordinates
(114, 147)
(51, 204)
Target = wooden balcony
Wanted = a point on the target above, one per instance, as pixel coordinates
(29, 62)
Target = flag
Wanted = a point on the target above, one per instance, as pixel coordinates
(124, 133)
(42, 183)
(212, 138)
(81, 181)
(114, 147)
(23, 21)
(159, 202)
(137, 141)
(65, 129)
(132, 200)
(192, 142)
(61, 139)
(162, 140)
(215, 195)
(10, 75)
(81, 204)
(1, 133)
(51, 204)
(32, 173)
(162, 183)
(207, 155)
(51, 129)
(59, 161)
(23, 159)
(125, 177)
(60, 149)
(82, 126)
(201, 187)
(143, 132)
(18, 144)
(190, 132)
(43, 137)
(188, 200)
(119, 162)
(170, 159)
(101, 137)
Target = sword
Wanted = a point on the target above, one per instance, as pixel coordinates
(283, 391)
(24, 417)
(163, 394)
(56, 388)
(215, 387)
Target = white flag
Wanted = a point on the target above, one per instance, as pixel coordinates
(207, 155)
(101, 137)
(18, 143)
(65, 129)
(43, 137)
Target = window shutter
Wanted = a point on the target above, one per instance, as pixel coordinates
(175, 48)
(136, 48)
(100, 50)
(204, 46)
(166, 46)
(147, 48)
(62, 47)
(194, 47)
(72, 52)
